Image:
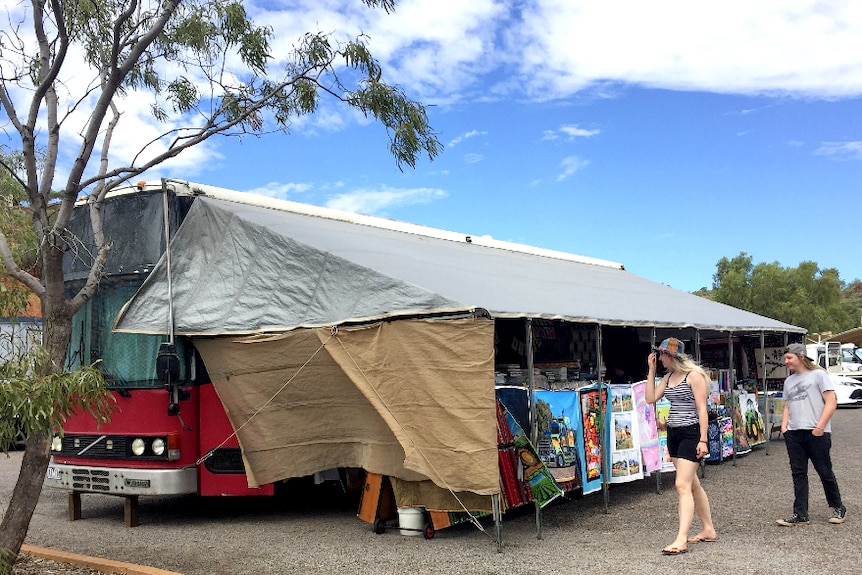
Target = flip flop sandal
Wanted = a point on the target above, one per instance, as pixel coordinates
(673, 551)
(702, 539)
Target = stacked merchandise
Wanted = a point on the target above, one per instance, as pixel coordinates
(560, 374)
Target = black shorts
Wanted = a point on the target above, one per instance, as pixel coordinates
(682, 441)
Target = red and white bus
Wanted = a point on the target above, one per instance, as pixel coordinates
(165, 437)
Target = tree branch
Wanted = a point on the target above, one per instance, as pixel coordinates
(112, 84)
(12, 268)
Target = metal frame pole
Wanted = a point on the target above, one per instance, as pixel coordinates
(765, 389)
(697, 358)
(534, 426)
(497, 510)
(602, 416)
(732, 382)
(652, 383)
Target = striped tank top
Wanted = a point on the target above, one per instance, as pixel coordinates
(683, 410)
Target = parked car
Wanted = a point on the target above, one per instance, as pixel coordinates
(851, 357)
(847, 390)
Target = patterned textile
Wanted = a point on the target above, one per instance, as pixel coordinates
(522, 461)
(720, 436)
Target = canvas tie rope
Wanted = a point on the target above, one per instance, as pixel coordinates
(209, 453)
(472, 519)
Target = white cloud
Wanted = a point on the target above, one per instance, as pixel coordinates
(840, 150)
(734, 46)
(280, 191)
(378, 201)
(436, 47)
(446, 50)
(473, 158)
(470, 134)
(573, 131)
(570, 166)
(137, 138)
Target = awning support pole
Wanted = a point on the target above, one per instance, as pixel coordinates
(697, 358)
(652, 383)
(732, 382)
(497, 510)
(534, 425)
(168, 261)
(602, 417)
(765, 391)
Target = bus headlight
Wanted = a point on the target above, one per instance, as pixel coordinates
(138, 446)
(159, 446)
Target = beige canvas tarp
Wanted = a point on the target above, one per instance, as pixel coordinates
(413, 399)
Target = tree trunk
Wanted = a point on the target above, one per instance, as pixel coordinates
(16, 520)
(56, 329)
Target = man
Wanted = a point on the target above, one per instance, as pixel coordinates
(809, 403)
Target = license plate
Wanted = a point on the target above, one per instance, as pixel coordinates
(140, 483)
(53, 473)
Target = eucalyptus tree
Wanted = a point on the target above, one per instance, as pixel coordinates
(15, 225)
(806, 296)
(66, 69)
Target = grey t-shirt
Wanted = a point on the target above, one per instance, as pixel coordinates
(803, 393)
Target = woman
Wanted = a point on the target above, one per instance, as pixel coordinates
(685, 385)
(809, 403)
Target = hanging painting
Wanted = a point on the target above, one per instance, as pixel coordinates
(595, 418)
(558, 418)
(753, 421)
(770, 363)
(774, 413)
(740, 437)
(662, 411)
(646, 426)
(625, 441)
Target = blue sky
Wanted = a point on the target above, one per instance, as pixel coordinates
(666, 183)
(661, 135)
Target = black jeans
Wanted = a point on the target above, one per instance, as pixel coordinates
(803, 446)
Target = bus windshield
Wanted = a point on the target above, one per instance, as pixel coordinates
(126, 360)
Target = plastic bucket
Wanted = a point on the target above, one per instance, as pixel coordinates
(411, 520)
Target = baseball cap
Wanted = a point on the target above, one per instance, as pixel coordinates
(671, 346)
(798, 349)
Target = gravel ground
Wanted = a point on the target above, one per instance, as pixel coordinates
(303, 534)
(29, 565)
